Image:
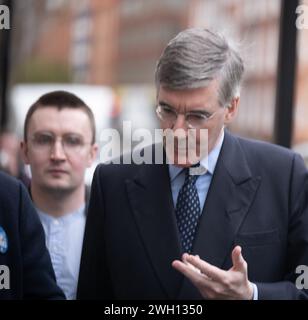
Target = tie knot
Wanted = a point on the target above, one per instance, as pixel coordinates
(189, 178)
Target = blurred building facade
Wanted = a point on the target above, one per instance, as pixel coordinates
(121, 40)
(300, 128)
(145, 28)
(255, 25)
(41, 40)
(94, 47)
(117, 43)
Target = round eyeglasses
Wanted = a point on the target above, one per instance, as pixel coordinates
(71, 143)
(193, 119)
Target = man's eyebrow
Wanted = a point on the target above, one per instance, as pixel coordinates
(48, 132)
(42, 131)
(197, 110)
(202, 111)
(165, 104)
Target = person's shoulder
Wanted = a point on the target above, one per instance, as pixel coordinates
(10, 196)
(271, 158)
(115, 169)
(9, 186)
(265, 148)
(127, 165)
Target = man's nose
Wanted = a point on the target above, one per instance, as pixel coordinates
(180, 122)
(57, 151)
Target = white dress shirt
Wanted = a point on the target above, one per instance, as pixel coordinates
(64, 238)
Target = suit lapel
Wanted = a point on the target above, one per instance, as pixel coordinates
(151, 202)
(230, 195)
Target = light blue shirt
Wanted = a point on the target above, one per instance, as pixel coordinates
(177, 178)
(203, 182)
(64, 238)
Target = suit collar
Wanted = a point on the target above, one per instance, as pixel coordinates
(230, 194)
(150, 198)
(233, 159)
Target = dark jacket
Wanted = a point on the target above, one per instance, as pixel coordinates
(257, 199)
(30, 272)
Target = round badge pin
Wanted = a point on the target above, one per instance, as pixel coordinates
(3, 241)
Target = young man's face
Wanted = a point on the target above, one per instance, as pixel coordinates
(58, 148)
(201, 100)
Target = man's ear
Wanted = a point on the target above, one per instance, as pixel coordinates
(92, 154)
(24, 152)
(231, 110)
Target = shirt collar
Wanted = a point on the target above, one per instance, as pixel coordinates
(48, 219)
(209, 163)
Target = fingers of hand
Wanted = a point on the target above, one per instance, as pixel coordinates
(215, 283)
(186, 268)
(206, 268)
(238, 261)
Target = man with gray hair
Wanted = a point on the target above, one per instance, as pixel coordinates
(238, 229)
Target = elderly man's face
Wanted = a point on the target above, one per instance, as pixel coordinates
(201, 101)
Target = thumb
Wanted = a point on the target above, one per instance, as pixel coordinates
(237, 259)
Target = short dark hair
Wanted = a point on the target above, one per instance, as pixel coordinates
(59, 100)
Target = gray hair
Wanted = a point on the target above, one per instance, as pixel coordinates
(197, 56)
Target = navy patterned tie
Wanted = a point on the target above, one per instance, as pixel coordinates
(188, 211)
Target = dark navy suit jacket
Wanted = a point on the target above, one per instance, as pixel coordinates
(257, 199)
(31, 273)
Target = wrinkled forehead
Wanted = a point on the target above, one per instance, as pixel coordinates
(189, 98)
(60, 122)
